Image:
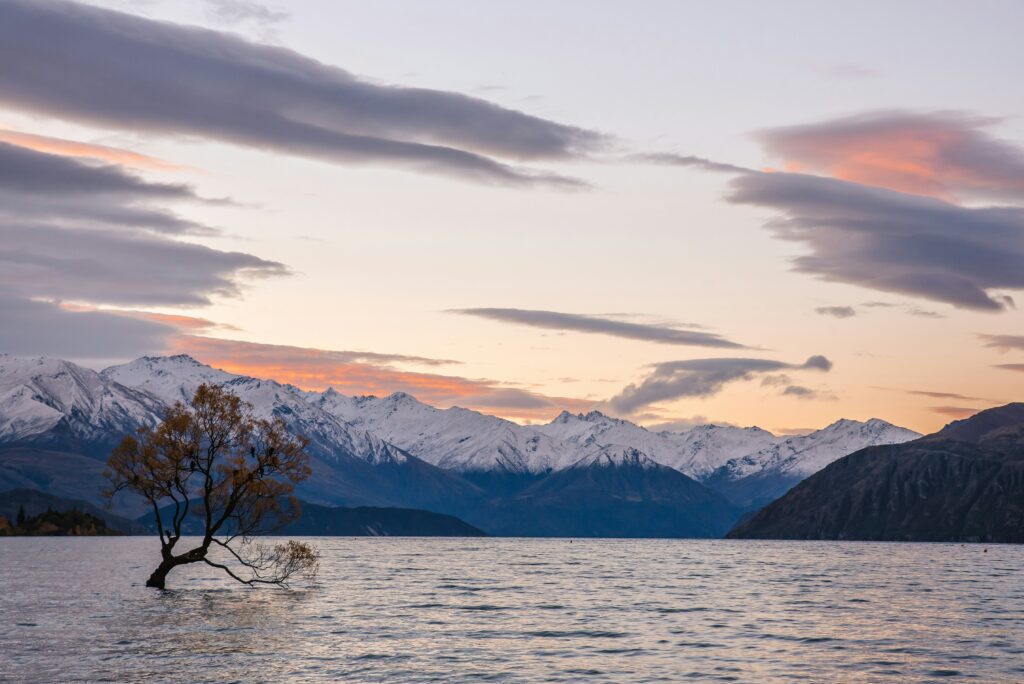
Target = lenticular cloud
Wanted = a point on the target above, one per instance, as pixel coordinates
(120, 71)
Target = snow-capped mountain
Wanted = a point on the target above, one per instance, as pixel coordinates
(803, 455)
(454, 439)
(616, 456)
(748, 464)
(466, 441)
(396, 450)
(617, 491)
(59, 404)
(38, 395)
(54, 405)
(697, 452)
(171, 379)
(766, 474)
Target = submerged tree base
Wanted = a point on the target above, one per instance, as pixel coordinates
(258, 563)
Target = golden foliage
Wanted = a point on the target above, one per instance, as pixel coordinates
(235, 473)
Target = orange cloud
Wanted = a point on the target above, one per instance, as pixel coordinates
(184, 323)
(1018, 367)
(72, 148)
(190, 324)
(943, 155)
(360, 373)
(349, 372)
(954, 411)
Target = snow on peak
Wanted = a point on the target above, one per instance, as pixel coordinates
(403, 401)
(38, 394)
(169, 378)
(617, 456)
(401, 397)
(697, 452)
(176, 378)
(804, 455)
(455, 438)
(565, 417)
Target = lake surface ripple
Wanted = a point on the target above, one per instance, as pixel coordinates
(449, 610)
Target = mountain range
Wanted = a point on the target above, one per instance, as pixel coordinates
(581, 474)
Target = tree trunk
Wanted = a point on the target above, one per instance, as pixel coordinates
(159, 576)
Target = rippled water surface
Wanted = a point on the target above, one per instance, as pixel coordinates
(521, 610)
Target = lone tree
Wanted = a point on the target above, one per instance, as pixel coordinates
(211, 465)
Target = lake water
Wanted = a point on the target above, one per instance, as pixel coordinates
(73, 609)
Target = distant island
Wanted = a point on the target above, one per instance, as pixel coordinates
(50, 523)
(28, 512)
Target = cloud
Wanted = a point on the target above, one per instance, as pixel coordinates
(360, 373)
(700, 378)
(908, 308)
(801, 392)
(180, 322)
(846, 70)
(954, 411)
(83, 334)
(33, 172)
(235, 11)
(816, 362)
(776, 380)
(923, 313)
(73, 148)
(88, 233)
(836, 311)
(941, 154)
(945, 395)
(792, 432)
(75, 236)
(683, 424)
(113, 267)
(1018, 367)
(884, 222)
(35, 328)
(893, 242)
(41, 185)
(115, 70)
(312, 363)
(685, 160)
(1003, 343)
(554, 320)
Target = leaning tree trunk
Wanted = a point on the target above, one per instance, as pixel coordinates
(170, 561)
(159, 577)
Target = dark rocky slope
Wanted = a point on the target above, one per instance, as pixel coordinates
(340, 521)
(964, 483)
(371, 521)
(621, 494)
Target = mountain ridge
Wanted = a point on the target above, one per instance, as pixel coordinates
(367, 450)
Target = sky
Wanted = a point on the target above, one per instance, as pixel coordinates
(676, 213)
